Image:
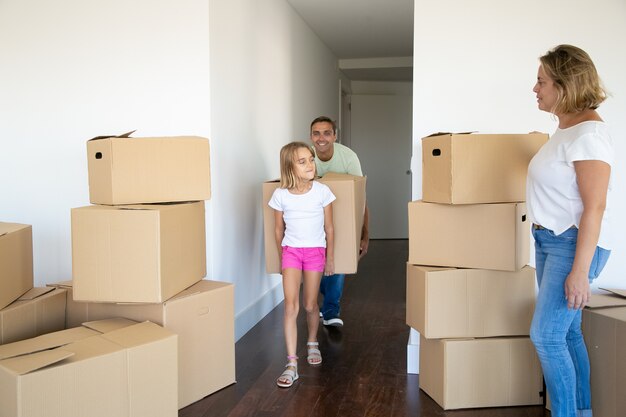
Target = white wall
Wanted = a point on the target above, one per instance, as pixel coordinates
(270, 77)
(73, 69)
(476, 64)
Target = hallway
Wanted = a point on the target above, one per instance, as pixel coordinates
(364, 363)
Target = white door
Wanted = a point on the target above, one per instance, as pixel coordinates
(381, 137)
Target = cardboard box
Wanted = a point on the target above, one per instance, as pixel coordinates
(449, 302)
(481, 236)
(142, 253)
(472, 373)
(348, 211)
(110, 368)
(604, 330)
(124, 170)
(16, 261)
(477, 168)
(39, 311)
(203, 318)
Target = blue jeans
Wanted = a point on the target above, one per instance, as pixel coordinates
(555, 329)
(331, 288)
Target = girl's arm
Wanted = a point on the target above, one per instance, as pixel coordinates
(279, 233)
(593, 181)
(330, 240)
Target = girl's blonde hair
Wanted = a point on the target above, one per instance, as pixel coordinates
(288, 178)
(575, 78)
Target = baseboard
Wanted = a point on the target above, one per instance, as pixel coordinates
(249, 317)
(413, 353)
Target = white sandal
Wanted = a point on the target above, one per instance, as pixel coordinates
(289, 375)
(314, 356)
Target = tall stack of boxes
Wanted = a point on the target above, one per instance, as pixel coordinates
(139, 252)
(470, 292)
(25, 311)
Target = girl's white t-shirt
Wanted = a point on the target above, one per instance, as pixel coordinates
(552, 195)
(304, 215)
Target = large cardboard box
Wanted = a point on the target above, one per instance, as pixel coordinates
(348, 211)
(39, 311)
(111, 368)
(16, 261)
(453, 303)
(472, 373)
(142, 253)
(124, 170)
(203, 318)
(604, 330)
(481, 236)
(477, 168)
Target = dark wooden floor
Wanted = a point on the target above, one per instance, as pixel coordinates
(364, 368)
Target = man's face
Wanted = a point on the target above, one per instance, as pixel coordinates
(323, 137)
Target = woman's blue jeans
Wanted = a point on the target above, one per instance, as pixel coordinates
(555, 329)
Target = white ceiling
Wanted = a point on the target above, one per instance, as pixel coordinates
(357, 29)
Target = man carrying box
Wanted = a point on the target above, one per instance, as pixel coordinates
(335, 157)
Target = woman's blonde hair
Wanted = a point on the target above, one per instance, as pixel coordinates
(575, 77)
(288, 178)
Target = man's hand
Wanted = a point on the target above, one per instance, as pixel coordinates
(365, 243)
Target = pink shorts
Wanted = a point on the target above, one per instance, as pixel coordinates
(304, 259)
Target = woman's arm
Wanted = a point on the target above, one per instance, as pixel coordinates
(593, 181)
(330, 240)
(279, 233)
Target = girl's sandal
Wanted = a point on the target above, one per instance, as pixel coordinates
(314, 356)
(289, 375)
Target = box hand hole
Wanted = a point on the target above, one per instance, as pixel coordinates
(436, 152)
(523, 218)
(98, 155)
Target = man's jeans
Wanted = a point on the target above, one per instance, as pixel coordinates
(555, 329)
(331, 288)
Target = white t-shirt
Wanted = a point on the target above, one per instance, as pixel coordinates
(552, 195)
(304, 215)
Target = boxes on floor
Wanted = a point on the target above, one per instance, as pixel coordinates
(102, 369)
(124, 170)
(473, 373)
(477, 168)
(481, 236)
(203, 318)
(452, 302)
(16, 261)
(39, 311)
(142, 253)
(348, 211)
(604, 330)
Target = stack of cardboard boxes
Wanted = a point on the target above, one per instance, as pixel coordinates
(25, 311)
(470, 292)
(138, 254)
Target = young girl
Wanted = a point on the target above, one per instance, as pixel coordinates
(304, 236)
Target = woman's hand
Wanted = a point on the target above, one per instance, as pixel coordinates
(329, 269)
(577, 290)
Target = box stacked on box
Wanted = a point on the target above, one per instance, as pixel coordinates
(139, 252)
(470, 292)
(16, 261)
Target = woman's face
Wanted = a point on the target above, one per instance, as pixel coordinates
(546, 91)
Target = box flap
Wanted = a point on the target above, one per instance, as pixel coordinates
(138, 334)
(198, 288)
(123, 135)
(45, 342)
(616, 291)
(109, 325)
(61, 284)
(27, 363)
(337, 176)
(611, 299)
(35, 293)
(448, 133)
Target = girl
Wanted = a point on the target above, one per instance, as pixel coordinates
(304, 236)
(568, 194)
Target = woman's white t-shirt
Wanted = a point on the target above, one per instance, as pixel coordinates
(304, 215)
(552, 195)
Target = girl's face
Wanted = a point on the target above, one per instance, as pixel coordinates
(304, 164)
(546, 91)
